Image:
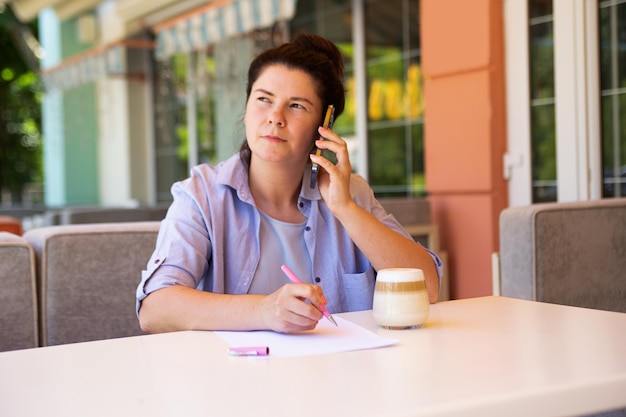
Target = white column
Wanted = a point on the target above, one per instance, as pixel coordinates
(577, 100)
(517, 162)
(360, 83)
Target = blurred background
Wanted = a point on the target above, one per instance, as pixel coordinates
(473, 105)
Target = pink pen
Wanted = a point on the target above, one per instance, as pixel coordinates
(294, 278)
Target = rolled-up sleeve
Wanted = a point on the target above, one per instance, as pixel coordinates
(183, 248)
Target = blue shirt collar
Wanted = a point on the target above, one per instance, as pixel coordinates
(234, 173)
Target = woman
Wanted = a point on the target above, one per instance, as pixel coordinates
(230, 227)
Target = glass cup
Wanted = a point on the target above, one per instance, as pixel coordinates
(400, 298)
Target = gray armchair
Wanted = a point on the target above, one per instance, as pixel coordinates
(88, 274)
(566, 253)
(18, 296)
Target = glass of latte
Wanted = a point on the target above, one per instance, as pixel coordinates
(400, 298)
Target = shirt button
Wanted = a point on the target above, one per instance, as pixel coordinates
(318, 279)
(308, 228)
(301, 204)
(156, 261)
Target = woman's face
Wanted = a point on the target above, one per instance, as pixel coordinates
(282, 115)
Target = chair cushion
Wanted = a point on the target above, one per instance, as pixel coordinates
(18, 298)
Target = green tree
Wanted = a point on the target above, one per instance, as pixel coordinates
(20, 106)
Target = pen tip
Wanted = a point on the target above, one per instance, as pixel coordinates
(332, 320)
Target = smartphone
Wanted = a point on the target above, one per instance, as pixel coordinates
(329, 118)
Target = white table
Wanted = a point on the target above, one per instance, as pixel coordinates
(490, 356)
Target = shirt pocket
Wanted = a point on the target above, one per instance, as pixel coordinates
(359, 290)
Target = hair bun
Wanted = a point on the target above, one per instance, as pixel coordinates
(323, 46)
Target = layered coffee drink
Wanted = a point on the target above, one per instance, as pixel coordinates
(400, 298)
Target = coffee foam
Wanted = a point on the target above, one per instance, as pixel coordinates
(400, 275)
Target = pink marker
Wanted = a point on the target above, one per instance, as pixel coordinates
(294, 278)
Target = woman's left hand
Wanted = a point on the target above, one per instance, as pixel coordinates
(334, 179)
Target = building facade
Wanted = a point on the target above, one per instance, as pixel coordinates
(475, 104)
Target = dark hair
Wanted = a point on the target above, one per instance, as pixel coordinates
(313, 54)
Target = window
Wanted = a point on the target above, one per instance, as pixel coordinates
(189, 127)
(185, 118)
(553, 101)
(333, 20)
(395, 102)
(171, 123)
(612, 24)
(394, 143)
(542, 114)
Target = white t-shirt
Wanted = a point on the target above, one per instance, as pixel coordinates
(281, 243)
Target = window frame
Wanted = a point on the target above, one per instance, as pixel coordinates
(577, 98)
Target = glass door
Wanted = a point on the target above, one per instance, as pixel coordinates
(542, 100)
(612, 22)
(553, 101)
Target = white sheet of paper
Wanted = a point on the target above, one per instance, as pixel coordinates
(326, 338)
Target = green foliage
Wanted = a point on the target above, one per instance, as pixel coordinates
(20, 118)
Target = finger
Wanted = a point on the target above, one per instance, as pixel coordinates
(329, 135)
(305, 318)
(330, 145)
(286, 320)
(319, 301)
(292, 328)
(313, 297)
(294, 320)
(323, 162)
(342, 161)
(297, 303)
(339, 148)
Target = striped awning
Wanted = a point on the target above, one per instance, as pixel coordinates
(216, 21)
(94, 64)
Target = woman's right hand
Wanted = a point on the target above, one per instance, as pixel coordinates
(287, 310)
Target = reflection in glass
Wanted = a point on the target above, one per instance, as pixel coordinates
(394, 86)
(612, 24)
(543, 152)
(395, 99)
(170, 122)
(333, 20)
(543, 131)
(186, 91)
(539, 8)
(204, 81)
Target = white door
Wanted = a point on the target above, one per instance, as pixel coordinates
(553, 101)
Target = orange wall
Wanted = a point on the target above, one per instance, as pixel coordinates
(463, 65)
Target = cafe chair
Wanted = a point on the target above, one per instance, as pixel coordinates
(565, 253)
(88, 274)
(18, 297)
(89, 215)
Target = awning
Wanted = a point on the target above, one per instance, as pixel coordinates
(96, 63)
(27, 10)
(216, 21)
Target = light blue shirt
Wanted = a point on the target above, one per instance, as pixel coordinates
(209, 239)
